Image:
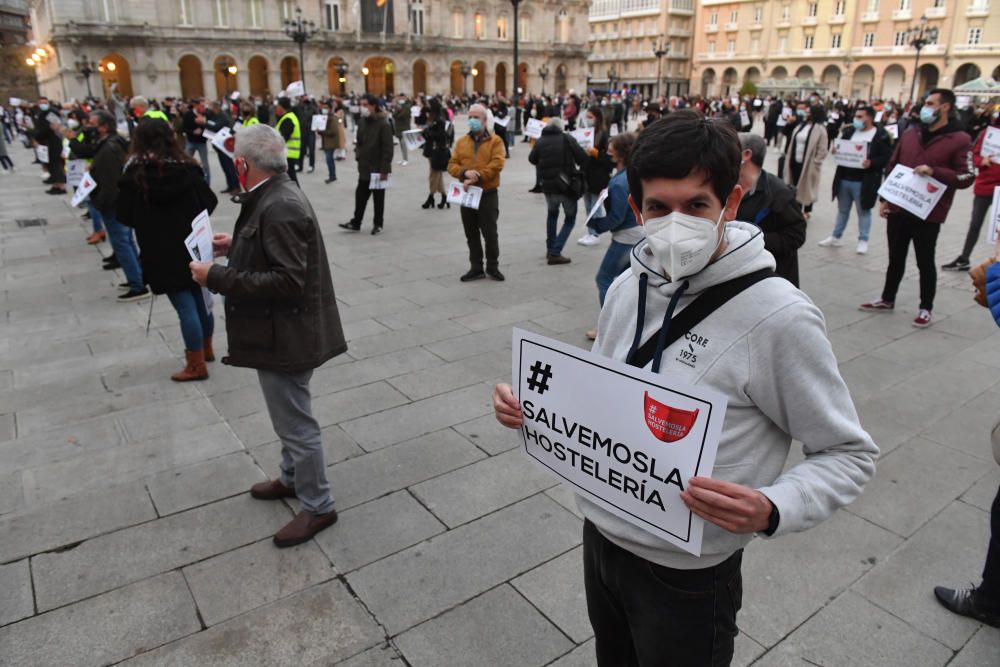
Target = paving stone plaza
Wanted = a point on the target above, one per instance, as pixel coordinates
(127, 535)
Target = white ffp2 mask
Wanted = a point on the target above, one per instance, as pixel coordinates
(683, 243)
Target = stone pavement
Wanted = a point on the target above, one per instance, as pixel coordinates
(127, 537)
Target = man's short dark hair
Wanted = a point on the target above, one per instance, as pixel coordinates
(285, 103)
(371, 99)
(946, 95)
(868, 110)
(106, 119)
(684, 143)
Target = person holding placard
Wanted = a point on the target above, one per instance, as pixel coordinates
(597, 168)
(478, 160)
(160, 193)
(935, 148)
(334, 137)
(373, 151)
(804, 155)
(858, 186)
(987, 163)
(704, 281)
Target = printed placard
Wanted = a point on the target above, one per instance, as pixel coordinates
(42, 153)
(994, 226)
(850, 154)
(319, 122)
(991, 143)
(533, 128)
(414, 139)
(75, 169)
(878, 116)
(296, 89)
(87, 185)
(744, 117)
(621, 437)
(199, 241)
(584, 136)
(893, 131)
(466, 197)
(224, 140)
(376, 183)
(502, 122)
(414, 111)
(597, 210)
(912, 192)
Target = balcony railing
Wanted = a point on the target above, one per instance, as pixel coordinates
(712, 27)
(902, 15)
(978, 9)
(869, 17)
(837, 19)
(935, 12)
(808, 20)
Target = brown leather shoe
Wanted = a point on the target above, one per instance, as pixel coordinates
(195, 368)
(271, 490)
(303, 527)
(96, 237)
(207, 349)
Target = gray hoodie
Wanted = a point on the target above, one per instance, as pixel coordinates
(768, 352)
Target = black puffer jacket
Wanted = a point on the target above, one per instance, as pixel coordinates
(106, 169)
(159, 202)
(559, 157)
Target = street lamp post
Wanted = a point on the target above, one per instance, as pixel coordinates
(920, 36)
(543, 72)
(465, 69)
(517, 72)
(300, 31)
(86, 68)
(228, 70)
(659, 51)
(342, 68)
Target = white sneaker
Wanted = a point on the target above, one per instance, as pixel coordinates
(589, 239)
(862, 247)
(403, 163)
(831, 241)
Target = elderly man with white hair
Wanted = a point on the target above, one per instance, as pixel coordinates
(140, 109)
(477, 160)
(281, 318)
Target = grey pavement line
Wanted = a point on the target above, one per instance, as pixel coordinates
(517, 590)
(364, 605)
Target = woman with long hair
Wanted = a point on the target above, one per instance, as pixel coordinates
(597, 168)
(161, 192)
(804, 155)
(439, 134)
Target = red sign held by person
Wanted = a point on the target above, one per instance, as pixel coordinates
(668, 424)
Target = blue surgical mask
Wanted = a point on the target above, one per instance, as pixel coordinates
(928, 116)
(475, 125)
(801, 113)
(858, 124)
(43, 107)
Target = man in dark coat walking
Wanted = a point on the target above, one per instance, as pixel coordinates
(374, 155)
(281, 319)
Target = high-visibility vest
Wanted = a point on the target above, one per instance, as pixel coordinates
(252, 120)
(80, 137)
(294, 143)
(154, 113)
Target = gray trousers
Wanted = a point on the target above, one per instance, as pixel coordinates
(303, 466)
(980, 207)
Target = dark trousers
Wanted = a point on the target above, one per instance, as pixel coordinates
(229, 169)
(989, 592)
(901, 229)
(57, 168)
(647, 615)
(980, 207)
(796, 175)
(292, 165)
(483, 223)
(361, 194)
(308, 150)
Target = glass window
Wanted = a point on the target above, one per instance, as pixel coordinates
(869, 39)
(713, 18)
(807, 42)
(331, 15)
(502, 27)
(417, 17)
(458, 21)
(835, 40)
(975, 36)
(185, 16)
(734, 16)
(758, 15)
(812, 9)
(221, 12)
(900, 39)
(782, 44)
(731, 46)
(838, 9)
(255, 12)
(904, 5)
(711, 47)
(478, 25)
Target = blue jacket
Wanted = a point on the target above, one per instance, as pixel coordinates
(618, 214)
(993, 290)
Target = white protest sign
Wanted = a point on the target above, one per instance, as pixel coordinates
(849, 153)
(199, 241)
(533, 128)
(87, 185)
(208, 135)
(782, 121)
(991, 143)
(467, 198)
(75, 169)
(502, 122)
(597, 210)
(994, 221)
(878, 116)
(414, 112)
(376, 183)
(42, 153)
(235, 96)
(319, 122)
(893, 131)
(15, 101)
(621, 437)
(744, 117)
(225, 141)
(912, 192)
(834, 115)
(296, 89)
(584, 136)
(734, 100)
(414, 139)
(963, 101)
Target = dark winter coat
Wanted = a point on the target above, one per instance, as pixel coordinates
(161, 215)
(559, 158)
(374, 149)
(879, 152)
(106, 169)
(281, 311)
(597, 170)
(438, 139)
(773, 208)
(948, 152)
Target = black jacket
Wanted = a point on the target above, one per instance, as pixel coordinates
(160, 205)
(773, 208)
(597, 170)
(558, 157)
(106, 169)
(879, 152)
(374, 146)
(281, 311)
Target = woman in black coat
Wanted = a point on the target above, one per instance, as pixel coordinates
(160, 193)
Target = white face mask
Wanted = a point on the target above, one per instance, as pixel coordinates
(684, 244)
(73, 123)
(365, 112)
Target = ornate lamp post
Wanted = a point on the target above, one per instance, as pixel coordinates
(659, 51)
(465, 69)
(342, 68)
(300, 31)
(227, 70)
(543, 72)
(920, 36)
(86, 68)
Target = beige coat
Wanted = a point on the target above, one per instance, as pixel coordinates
(807, 189)
(334, 136)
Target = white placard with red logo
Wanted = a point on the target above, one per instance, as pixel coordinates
(893, 131)
(991, 143)
(225, 141)
(469, 198)
(993, 228)
(75, 169)
(584, 136)
(912, 192)
(533, 128)
(414, 139)
(87, 185)
(744, 118)
(318, 122)
(621, 437)
(849, 153)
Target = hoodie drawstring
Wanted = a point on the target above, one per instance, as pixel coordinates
(661, 340)
(640, 318)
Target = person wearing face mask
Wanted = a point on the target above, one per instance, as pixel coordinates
(82, 136)
(859, 187)
(765, 349)
(373, 151)
(478, 160)
(290, 129)
(559, 158)
(939, 148)
(281, 319)
(804, 156)
(48, 133)
(194, 121)
(596, 169)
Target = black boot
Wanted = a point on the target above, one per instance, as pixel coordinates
(429, 202)
(444, 202)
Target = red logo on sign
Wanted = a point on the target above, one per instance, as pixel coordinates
(668, 424)
(230, 144)
(859, 147)
(932, 188)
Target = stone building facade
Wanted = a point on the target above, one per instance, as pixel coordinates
(192, 47)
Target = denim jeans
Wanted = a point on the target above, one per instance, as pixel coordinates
(202, 151)
(228, 170)
(554, 241)
(125, 249)
(644, 614)
(849, 192)
(616, 260)
(331, 164)
(303, 467)
(95, 216)
(196, 321)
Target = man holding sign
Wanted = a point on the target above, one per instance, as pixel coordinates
(680, 312)
(939, 151)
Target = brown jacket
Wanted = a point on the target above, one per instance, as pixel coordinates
(486, 157)
(281, 312)
(807, 189)
(333, 136)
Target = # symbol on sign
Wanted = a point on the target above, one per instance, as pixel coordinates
(538, 371)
